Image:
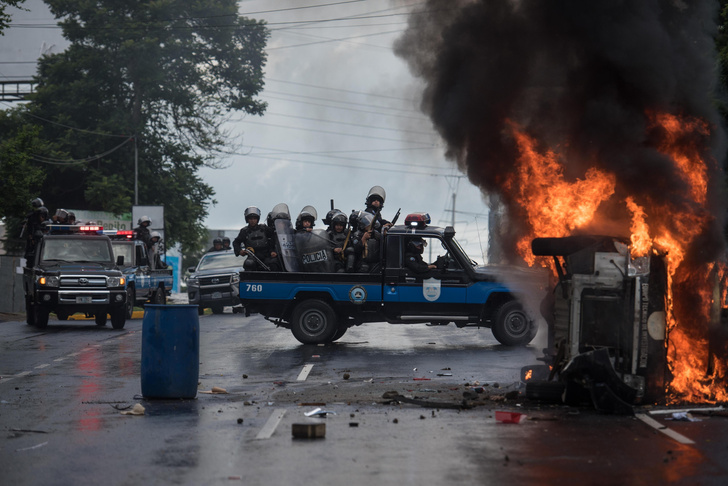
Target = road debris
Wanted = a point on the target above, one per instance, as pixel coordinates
(309, 431)
(394, 397)
(317, 412)
(138, 409)
(508, 417)
(684, 417)
(215, 390)
(38, 446)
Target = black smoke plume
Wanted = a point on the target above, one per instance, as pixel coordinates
(581, 77)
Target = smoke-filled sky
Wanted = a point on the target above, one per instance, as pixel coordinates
(584, 78)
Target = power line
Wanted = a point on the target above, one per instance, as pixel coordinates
(49, 160)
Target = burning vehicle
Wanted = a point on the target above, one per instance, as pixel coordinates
(595, 118)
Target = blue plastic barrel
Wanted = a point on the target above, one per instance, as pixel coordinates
(170, 351)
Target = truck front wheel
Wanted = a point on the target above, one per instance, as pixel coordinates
(40, 314)
(314, 322)
(118, 318)
(29, 312)
(512, 326)
(100, 319)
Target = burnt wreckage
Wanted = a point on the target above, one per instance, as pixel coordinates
(607, 324)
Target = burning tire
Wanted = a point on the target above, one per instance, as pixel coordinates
(513, 326)
(314, 322)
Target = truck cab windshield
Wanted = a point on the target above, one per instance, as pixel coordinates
(76, 250)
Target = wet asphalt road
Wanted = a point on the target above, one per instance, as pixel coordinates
(59, 425)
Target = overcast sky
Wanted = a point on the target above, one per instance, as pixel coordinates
(343, 115)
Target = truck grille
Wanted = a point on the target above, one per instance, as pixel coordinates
(215, 280)
(83, 281)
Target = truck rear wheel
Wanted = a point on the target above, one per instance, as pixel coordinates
(314, 322)
(217, 309)
(130, 298)
(118, 318)
(512, 326)
(160, 298)
(100, 319)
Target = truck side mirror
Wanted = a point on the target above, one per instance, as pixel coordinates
(449, 232)
(120, 260)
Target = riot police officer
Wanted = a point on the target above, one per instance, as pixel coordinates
(338, 236)
(60, 216)
(257, 239)
(33, 229)
(374, 205)
(216, 245)
(413, 256)
(142, 230)
(155, 251)
(362, 253)
(226, 243)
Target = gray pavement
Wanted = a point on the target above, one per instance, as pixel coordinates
(61, 390)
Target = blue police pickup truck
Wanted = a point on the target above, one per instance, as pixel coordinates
(319, 307)
(143, 282)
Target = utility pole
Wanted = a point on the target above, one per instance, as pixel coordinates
(136, 173)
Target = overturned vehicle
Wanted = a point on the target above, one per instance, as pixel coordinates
(607, 325)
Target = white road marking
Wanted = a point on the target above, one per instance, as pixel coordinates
(270, 426)
(59, 360)
(40, 367)
(665, 430)
(6, 378)
(304, 372)
(23, 373)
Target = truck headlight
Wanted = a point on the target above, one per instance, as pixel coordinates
(236, 278)
(193, 282)
(115, 282)
(49, 281)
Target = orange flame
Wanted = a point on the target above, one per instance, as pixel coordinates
(555, 207)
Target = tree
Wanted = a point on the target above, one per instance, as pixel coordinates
(156, 76)
(4, 16)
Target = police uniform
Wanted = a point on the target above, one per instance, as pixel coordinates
(415, 262)
(260, 239)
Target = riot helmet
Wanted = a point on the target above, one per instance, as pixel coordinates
(226, 242)
(376, 193)
(365, 221)
(71, 217)
(61, 216)
(416, 245)
(217, 241)
(328, 220)
(43, 212)
(36, 203)
(252, 212)
(308, 213)
(144, 219)
(279, 211)
(339, 218)
(155, 234)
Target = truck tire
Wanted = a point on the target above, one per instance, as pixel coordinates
(217, 309)
(40, 315)
(100, 319)
(130, 299)
(118, 318)
(340, 331)
(200, 310)
(29, 312)
(512, 326)
(314, 322)
(62, 316)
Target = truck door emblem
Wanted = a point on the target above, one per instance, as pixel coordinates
(358, 294)
(83, 281)
(431, 289)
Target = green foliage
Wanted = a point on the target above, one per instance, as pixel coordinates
(161, 76)
(4, 15)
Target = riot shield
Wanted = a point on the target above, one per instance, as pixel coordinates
(287, 244)
(315, 251)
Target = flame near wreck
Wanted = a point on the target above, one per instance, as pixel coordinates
(592, 117)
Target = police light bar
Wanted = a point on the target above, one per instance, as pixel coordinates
(127, 233)
(417, 220)
(90, 229)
